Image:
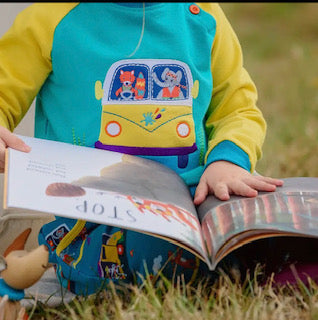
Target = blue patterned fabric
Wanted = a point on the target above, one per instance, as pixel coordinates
(13, 294)
(102, 253)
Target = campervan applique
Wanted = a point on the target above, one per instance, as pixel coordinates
(147, 109)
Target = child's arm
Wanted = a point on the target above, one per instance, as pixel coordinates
(235, 126)
(25, 63)
(223, 178)
(233, 114)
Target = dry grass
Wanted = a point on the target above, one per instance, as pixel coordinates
(280, 46)
(224, 300)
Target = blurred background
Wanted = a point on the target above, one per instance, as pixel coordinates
(279, 42)
(280, 47)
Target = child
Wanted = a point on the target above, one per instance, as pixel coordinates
(175, 91)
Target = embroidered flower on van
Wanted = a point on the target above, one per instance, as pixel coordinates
(150, 118)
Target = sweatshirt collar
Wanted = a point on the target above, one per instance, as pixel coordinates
(136, 4)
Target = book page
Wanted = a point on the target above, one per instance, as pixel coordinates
(290, 210)
(104, 187)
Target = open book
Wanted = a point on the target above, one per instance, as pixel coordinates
(131, 192)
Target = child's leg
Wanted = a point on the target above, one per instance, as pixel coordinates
(152, 256)
(101, 253)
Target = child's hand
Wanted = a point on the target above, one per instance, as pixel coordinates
(223, 178)
(8, 139)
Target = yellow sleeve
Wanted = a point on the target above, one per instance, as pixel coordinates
(233, 114)
(25, 58)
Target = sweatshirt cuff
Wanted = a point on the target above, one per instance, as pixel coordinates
(229, 151)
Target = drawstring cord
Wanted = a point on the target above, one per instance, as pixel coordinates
(142, 29)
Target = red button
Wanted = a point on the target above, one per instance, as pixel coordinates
(194, 9)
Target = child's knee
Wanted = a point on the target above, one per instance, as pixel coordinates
(155, 257)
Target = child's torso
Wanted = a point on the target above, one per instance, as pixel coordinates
(151, 104)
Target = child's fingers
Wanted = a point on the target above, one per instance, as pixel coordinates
(201, 192)
(8, 139)
(263, 184)
(241, 188)
(11, 140)
(221, 191)
(276, 182)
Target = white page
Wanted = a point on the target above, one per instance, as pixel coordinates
(29, 175)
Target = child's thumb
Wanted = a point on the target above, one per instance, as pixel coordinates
(12, 141)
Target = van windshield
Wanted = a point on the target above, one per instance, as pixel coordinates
(141, 82)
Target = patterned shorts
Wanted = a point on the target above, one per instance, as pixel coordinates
(88, 255)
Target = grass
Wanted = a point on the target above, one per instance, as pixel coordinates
(279, 42)
(224, 300)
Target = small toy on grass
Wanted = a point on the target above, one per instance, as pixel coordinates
(19, 269)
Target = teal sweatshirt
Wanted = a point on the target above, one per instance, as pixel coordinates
(163, 81)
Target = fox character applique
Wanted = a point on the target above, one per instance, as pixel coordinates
(126, 91)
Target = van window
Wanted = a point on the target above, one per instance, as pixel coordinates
(130, 82)
(169, 82)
